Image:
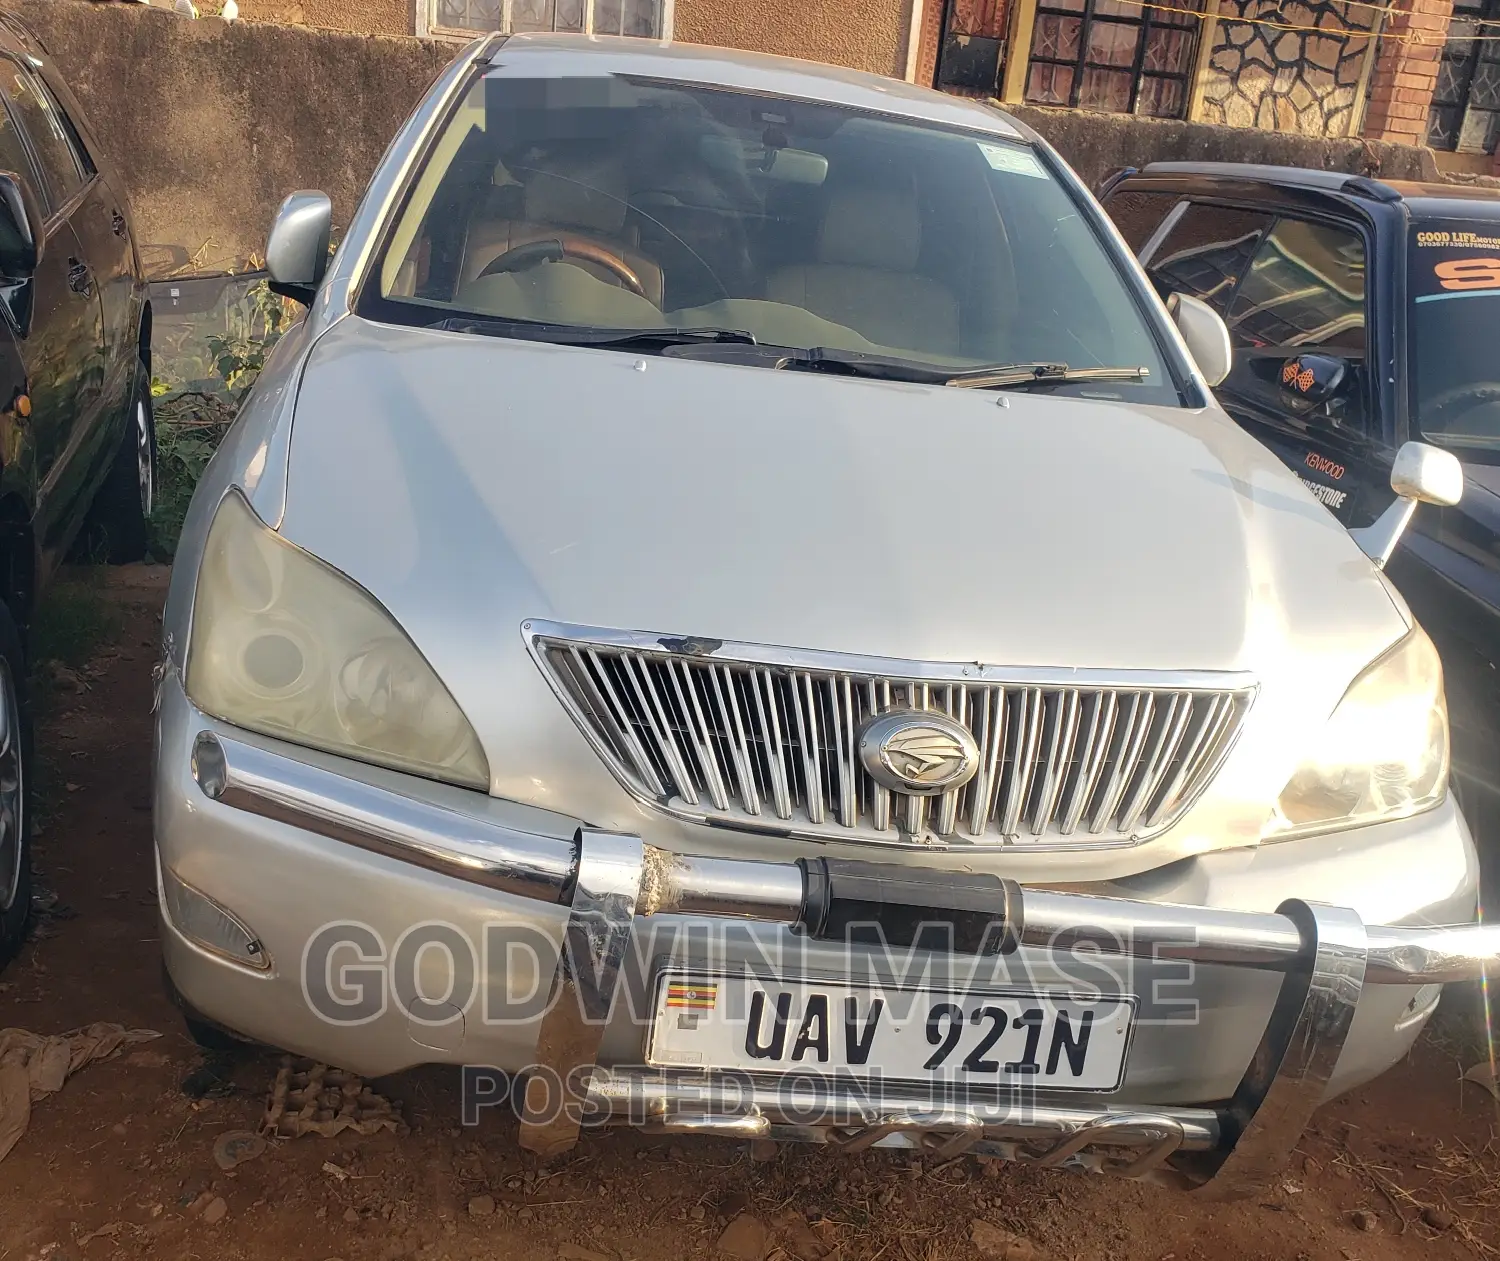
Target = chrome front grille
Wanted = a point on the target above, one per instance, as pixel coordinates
(751, 736)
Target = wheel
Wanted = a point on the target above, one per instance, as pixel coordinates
(117, 528)
(15, 813)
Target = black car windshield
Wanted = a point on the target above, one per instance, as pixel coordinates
(1455, 320)
(617, 204)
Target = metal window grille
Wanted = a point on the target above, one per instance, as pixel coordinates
(1113, 55)
(1465, 116)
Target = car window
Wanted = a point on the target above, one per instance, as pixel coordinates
(1455, 309)
(1303, 292)
(643, 203)
(1305, 287)
(13, 155)
(1206, 252)
(65, 166)
(1139, 214)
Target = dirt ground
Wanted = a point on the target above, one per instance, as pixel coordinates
(120, 1163)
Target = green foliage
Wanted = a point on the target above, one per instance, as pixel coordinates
(189, 428)
(240, 352)
(191, 422)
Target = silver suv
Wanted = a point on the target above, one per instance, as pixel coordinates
(738, 613)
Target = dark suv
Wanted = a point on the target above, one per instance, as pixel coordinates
(1362, 314)
(77, 439)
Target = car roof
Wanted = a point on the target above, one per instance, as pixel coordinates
(563, 54)
(1422, 199)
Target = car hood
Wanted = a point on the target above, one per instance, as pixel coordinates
(473, 483)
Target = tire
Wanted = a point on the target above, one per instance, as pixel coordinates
(15, 790)
(118, 528)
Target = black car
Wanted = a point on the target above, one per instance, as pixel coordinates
(1362, 314)
(77, 439)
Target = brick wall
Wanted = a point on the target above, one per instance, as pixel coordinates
(927, 46)
(1406, 72)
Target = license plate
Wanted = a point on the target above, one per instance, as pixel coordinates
(1003, 1038)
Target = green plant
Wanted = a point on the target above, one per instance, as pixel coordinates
(255, 325)
(190, 423)
(189, 428)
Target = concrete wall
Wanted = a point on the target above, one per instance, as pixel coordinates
(1097, 144)
(212, 125)
(863, 34)
(363, 17)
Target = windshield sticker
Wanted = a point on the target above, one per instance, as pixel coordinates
(1012, 159)
(1469, 273)
(1455, 262)
(1473, 240)
(1322, 464)
(1326, 495)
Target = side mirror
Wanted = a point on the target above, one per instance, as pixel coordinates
(1421, 474)
(297, 251)
(1205, 333)
(20, 230)
(1313, 378)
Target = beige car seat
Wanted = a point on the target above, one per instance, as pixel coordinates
(863, 278)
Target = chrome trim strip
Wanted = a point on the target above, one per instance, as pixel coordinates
(383, 822)
(605, 892)
(824, 661)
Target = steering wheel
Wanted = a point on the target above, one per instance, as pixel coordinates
(1460, 400)
(554, 250)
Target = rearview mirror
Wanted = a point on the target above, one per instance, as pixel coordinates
(1421, 474)
(20, 230)
(297, 251)
(1206, 336)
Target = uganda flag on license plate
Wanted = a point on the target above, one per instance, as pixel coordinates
(691, 995)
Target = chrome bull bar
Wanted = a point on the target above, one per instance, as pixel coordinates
(1325, 955)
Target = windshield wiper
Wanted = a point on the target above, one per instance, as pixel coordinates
(859, 363)
(587, 335)
(1009, 375)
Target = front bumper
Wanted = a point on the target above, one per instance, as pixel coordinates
(1292, 1004)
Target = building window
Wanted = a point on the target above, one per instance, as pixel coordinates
(463, 18)
(1113, 55)
(1465, 113)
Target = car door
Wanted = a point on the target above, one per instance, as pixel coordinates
(64, 350)
(103, 230)
(1292, 291)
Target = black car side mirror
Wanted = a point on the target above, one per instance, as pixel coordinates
(20, 230)
(1314, 379)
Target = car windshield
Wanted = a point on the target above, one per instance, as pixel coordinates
(615, 204)
(1455, 319)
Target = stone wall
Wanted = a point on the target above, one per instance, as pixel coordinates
(1302, 74)
(212, 125)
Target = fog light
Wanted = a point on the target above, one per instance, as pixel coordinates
(205, 923)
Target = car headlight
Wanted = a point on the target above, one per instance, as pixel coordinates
(286, 645)
(1382, 755)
